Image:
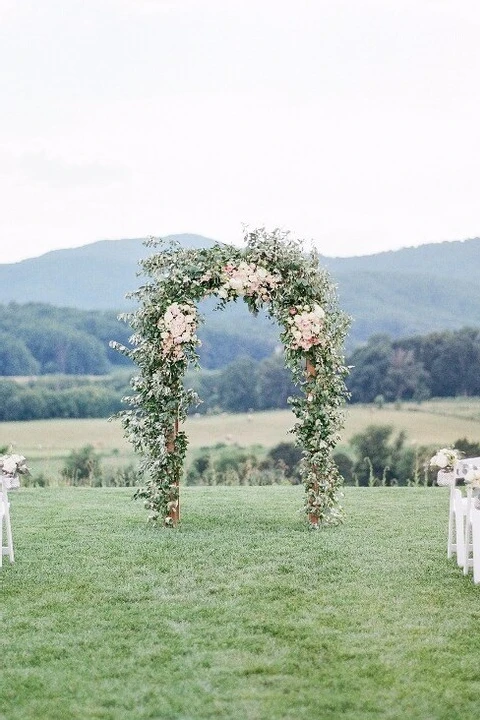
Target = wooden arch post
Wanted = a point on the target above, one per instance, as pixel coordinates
(174, 511)
(311, 373)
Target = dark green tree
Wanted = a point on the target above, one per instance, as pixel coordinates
(237, 386)
(376, 457)
(82, 467)
(405, 378)
(15, 357)
(369, 366)
(274, 383)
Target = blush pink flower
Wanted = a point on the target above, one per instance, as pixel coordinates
(178, 325)
(306, 325)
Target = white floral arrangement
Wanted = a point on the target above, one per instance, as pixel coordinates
(247, 279)
(445, 459)
(306, 325)
(178, 326)
(472, 477)
(12, 465)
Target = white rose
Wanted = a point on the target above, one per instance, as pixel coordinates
(10, 466)
(473, 477)
(237, 284)
(442, 460)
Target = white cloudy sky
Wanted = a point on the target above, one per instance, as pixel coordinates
(354, 123)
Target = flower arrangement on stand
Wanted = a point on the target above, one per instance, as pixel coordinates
(444, 461)
(273, 272)
(11, 466)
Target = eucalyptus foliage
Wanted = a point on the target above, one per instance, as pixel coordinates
(270, 271)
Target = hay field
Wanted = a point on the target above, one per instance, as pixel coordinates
(47, 442)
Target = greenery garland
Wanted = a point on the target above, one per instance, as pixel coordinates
(272, 271)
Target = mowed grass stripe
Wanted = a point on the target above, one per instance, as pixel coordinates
(242, 612)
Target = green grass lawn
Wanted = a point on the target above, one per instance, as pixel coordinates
(241, 613)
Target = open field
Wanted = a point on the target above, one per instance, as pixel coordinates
(46, 442)
(241, 613)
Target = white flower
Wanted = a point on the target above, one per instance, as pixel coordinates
(9, 466)
(445, 458)
(473, 477)
(248, 279)
(13, 464)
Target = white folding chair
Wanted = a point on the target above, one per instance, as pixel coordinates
(460, 508)
(475, 527)
(463, 506)
(456, 526)
(472, 536)
(457, 507)
(5, 523)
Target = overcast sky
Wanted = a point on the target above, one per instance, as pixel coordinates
(352, 123)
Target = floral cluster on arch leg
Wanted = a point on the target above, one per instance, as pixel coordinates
(178, 326)
(306, 325)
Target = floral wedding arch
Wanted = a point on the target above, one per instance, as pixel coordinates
(273, 272)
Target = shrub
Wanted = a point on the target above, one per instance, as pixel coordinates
(383, 459)
(286, 457)
(234, 465)
(126, 476)
(82, 467)
(345, 467)
(469, 449)
(39, 480)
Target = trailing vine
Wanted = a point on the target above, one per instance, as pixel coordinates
(271, 271)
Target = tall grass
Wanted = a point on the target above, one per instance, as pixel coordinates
(241, 613)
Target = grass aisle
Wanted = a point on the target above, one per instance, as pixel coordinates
(241, 614)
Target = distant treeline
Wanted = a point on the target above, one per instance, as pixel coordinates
(244, 385)
(41, 339)
(62, 396)
(440, 364)
(437, 365)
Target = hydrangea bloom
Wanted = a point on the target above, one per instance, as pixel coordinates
(248, 279)
(306, 325)
(178, 325)
(472, 477)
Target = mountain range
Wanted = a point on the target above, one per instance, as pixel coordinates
(415, 290)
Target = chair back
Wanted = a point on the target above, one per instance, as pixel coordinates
(463, 466)
(5, 525)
